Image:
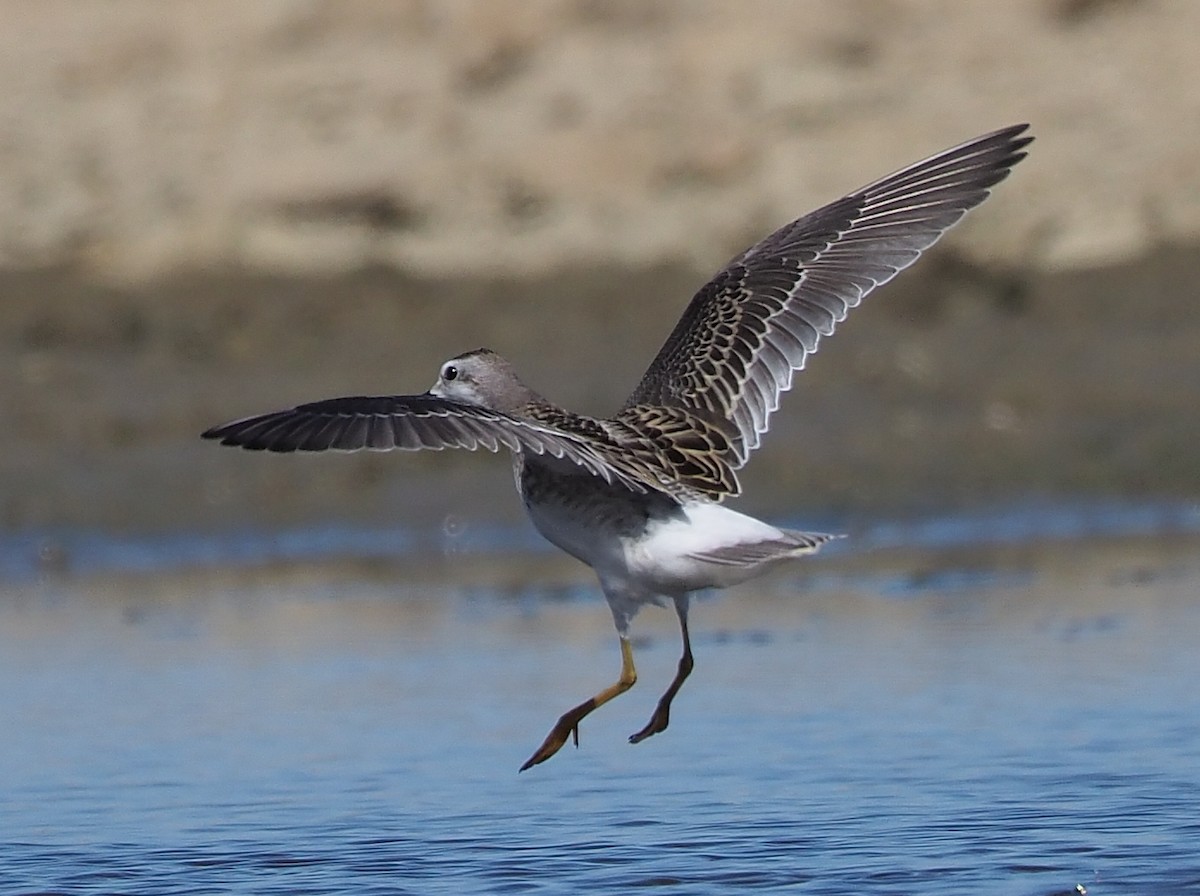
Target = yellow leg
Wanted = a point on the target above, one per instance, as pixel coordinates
(568, 722)
(662, 713)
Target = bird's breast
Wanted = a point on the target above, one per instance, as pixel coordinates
(581, 513)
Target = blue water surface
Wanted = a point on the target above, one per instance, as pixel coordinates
(1028, 734)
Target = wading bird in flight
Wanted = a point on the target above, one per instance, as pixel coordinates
(638, 496)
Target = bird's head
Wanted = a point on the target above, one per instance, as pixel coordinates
(483, 378)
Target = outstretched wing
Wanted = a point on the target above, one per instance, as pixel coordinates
(413, 423)
(755, 323)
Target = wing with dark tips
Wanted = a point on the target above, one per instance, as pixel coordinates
(744, 335)
(414, 423)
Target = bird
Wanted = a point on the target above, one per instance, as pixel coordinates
(639, 496)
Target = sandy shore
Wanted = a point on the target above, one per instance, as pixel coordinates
(508, 137)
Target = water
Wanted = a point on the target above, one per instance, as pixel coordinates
(1021, 728)
(26, 555)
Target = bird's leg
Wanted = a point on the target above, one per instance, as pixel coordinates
(568, 722)
(662, 713)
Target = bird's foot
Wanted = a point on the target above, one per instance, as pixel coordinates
(568, 722)
(566, 726)
(658, 722)
(662, 712)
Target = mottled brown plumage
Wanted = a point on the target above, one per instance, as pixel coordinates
(746, 332)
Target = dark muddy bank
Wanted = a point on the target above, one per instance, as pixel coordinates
(953, 387)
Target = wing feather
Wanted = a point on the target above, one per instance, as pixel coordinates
(745, 333)
(423, 422)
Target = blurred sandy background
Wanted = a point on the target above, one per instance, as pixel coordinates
(212, 209)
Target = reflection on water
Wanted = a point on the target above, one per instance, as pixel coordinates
(1024, 732)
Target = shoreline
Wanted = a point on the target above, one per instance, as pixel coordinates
(973, 550)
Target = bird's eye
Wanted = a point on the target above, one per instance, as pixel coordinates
(449, 372)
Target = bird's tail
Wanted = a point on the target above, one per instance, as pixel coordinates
(791, 543)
